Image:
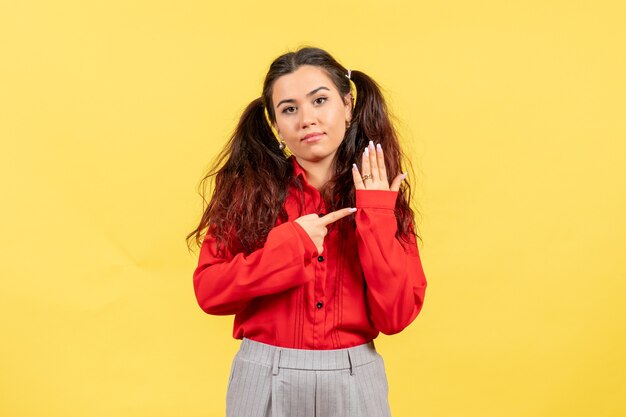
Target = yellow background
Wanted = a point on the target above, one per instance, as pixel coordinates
(514, 114)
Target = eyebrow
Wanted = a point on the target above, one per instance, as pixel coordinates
(290, 100)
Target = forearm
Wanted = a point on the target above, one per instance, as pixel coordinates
(225, 286)
(394, 274)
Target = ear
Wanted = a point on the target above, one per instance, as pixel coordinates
(347, 101)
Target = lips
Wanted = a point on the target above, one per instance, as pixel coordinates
(312, 135)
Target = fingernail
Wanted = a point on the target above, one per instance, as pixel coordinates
(354, 166)
(367, 151)
(352, 210)
(371, 143)
(404, 174)
(378, 147)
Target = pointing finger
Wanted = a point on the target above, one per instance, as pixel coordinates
(336, 215)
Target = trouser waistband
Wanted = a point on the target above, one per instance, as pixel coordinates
(307, 359)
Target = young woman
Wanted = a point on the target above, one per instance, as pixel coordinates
(314, 251)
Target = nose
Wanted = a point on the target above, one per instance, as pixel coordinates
(307, 116)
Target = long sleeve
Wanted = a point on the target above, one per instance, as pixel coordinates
(394, 275)
(225, 286)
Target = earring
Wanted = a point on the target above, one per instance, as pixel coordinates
(348, 124)
(281, 143)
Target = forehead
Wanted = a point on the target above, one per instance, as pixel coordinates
(300, 82)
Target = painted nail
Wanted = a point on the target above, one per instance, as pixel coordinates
(379, 148)
(367, 151)
(371, 143)
(354, 167)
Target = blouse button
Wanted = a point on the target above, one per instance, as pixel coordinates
(320, 258)
(320, 304)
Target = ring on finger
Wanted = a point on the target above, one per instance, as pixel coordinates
(366, 176)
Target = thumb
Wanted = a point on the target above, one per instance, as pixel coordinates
(395, 184)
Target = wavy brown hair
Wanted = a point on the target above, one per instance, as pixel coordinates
(253, 175)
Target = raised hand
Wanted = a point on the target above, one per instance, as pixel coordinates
(315, 226)
(374, 172)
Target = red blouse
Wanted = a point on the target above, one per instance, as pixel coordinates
(285, 294)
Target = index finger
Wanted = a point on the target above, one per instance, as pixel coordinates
(336, 215)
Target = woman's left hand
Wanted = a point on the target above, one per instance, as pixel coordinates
(374, 172)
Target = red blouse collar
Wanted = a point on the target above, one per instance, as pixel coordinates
(298, 171)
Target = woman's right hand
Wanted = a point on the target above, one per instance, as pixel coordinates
(315, 226)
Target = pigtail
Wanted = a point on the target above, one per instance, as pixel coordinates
(371, 120)
(251, 178)
(371, 116)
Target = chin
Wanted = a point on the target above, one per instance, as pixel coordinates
(313, 156)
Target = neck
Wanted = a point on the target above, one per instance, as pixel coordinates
(317, 173)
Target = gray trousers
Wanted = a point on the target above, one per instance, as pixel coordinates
(269, 381)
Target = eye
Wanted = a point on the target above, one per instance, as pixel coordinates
(286, 109)
(321, 98)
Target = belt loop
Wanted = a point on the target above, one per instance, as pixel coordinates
(276, 360)
(351, 364)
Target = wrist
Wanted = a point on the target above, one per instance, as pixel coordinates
(385, 199)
